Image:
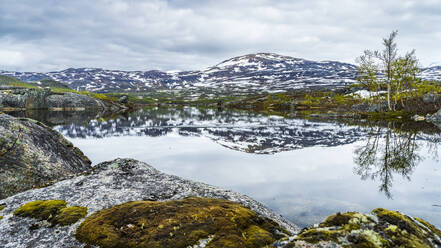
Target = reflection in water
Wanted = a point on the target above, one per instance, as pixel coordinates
(309, 174)
(386, 153)
(242, 131)
(389, 151)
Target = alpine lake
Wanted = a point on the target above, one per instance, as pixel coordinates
(303, 169)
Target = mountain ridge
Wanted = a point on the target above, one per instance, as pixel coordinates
(254, 72)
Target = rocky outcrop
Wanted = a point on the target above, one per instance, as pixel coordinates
(72, 101)
(432, 98)
(107, 185)
(127, 203)
(31, 154)
(22, 98)
(380, 228)
(17, 98)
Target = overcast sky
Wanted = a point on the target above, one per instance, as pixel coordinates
(37, 35)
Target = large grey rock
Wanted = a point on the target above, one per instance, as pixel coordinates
(16, 98)
(108, 184)
(72, 101)
(22, 98)
(32, 154)
(432, 98)
(124, 99)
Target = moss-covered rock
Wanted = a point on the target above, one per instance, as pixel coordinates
(70, 215)
(53, 211)
(1, 207)
(179, 223)
(40, 210)
(32, 154)
(383, 228)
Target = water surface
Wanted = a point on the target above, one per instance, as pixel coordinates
(302, 169)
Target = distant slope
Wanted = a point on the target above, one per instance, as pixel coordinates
(252, 72)
(12, 81)
(432, 73)
(249, 73)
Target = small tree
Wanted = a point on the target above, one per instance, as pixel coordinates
(399, 73)
(404, 76)
(368, 71)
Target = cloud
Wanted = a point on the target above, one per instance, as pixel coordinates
(37, 35)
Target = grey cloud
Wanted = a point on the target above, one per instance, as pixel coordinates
(48, 35)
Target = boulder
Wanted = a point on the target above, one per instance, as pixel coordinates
(124, 99)
(432, 98)
(380, 228)
(109, 189)
(22, 98)
(72, 101)
(18, 98)
(32, 154)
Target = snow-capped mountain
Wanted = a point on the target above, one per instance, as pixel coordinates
(253, 72)
(432, 73)
(249, 73)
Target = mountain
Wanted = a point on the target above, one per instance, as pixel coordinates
(244, 74)
(432, 73)
(252, 72)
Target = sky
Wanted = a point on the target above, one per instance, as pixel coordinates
(49, 35)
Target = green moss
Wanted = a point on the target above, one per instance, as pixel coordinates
(70, 215)
(367, 238)
(402, 231)
(41, 210)
(1, 217)
(353, 229)
(429, 226)
(258, 237)
(180, 223)
(401, 221)
(54, 211)
(1, 208)
(319, 234)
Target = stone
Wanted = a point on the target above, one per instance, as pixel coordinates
(432, 98)
(380, 228)
(124, 99)
(105, 186)
(32, 155)
(72, 101)
(180, 224)
(16, 98)
(418, 118)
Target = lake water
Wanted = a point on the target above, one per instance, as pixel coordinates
(303, 169)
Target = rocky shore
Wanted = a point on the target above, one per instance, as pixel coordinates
(127, 203)
(19, 98)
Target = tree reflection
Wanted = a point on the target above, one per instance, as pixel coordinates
(387, 152)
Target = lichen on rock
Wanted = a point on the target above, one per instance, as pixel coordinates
(381, 228)
(178, 223)
(53, 211)
(32, 155)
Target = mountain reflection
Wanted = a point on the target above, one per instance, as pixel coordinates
(241, 131)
